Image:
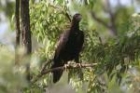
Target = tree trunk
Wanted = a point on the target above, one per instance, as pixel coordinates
(26, 33)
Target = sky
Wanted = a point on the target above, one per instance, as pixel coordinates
(3, 27)
(3, 23)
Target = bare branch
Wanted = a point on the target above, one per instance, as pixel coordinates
(111, 25)
(17, 19)
(85, 2)
(62, 11)
(17, 22)
(69, 66)
(112, 19)
(99, 20)
(45, 65)
(67, 15)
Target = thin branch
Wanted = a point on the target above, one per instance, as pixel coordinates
(17, 19)
(69, 66)
(93, 14)
(99, 20)
(85, 2)
(17, 22)
(63, 12)
(111, 26)
(68, 16)
(45, 65)
(112, 19)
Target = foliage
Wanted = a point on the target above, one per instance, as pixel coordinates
(8, 7)
(12, 78)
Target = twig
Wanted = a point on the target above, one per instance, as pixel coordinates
(67, 15)
(112, 19)
(69, 66)
(17, 25)
(63, 12)
(111, 26)
(45, 65)
(99, 20)
(85, 2)
(100, 39)
(17, 22)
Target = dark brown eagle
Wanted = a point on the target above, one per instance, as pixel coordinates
(69, 47)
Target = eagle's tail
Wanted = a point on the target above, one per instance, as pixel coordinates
(57, 73)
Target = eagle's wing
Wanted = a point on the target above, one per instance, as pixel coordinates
(81, 40)
(57, 57)
(61, 44)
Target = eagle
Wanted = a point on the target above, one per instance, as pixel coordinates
(69, 47)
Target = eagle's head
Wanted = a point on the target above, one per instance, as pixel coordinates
(77, 17)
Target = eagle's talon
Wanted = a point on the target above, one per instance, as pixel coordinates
(79, 65)
(66, 66)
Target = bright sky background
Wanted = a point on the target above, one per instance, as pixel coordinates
(3, 23)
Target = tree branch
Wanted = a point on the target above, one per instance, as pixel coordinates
(67, 15)
(112, 25)
(112, 19)
(69, 66)
(17, 25)
(99, 20)
(45, 65)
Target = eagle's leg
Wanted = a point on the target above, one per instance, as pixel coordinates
(77, 61)
(67, 65)
(79, 70)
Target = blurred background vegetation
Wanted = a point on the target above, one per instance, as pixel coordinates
(112, 39)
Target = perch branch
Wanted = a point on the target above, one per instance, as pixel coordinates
(69, 66)
(45, 65)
